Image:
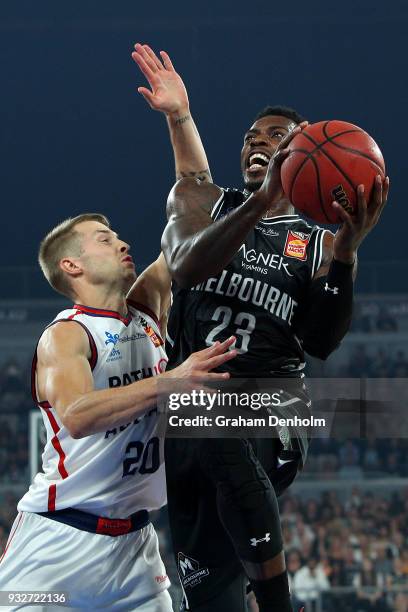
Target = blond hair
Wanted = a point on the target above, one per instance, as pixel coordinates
(63, 241)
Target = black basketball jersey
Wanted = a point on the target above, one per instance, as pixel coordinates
(259, 297)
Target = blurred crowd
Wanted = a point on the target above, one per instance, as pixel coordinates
(381, 362)
(360, 542)
(367, 322)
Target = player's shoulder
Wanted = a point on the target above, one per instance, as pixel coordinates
(190, 193)
(62, 336)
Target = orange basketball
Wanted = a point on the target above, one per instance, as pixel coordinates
(328, 160)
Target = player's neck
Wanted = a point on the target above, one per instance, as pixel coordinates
(283, 207)
(103, 298)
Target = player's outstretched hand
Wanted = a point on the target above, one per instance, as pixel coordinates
(168, 93)
(354, 228)
(271, 190)
(199, 365)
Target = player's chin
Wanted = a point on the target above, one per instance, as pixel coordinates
(252, 184)
(130, 275)
(254, 180)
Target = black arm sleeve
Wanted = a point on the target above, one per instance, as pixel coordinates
(329, 310)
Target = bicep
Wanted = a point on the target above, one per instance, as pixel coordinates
(63, 370)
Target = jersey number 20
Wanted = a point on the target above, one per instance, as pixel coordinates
(147, 454)
(244, 321)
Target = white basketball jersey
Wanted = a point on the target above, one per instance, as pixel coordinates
(120, 471)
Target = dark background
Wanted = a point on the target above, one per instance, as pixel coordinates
(76, 136)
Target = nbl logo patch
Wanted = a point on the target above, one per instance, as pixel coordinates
(189, 571)
(296, 245)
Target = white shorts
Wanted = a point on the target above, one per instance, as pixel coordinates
(98, 572)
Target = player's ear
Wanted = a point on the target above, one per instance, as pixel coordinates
(71, 266)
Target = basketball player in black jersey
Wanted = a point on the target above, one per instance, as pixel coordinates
(244, 263)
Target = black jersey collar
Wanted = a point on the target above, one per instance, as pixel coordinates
(276, 218)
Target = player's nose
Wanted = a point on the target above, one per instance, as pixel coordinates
(125, 247)
(259, 140)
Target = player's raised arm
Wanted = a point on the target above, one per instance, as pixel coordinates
(169, 96)
(152, 289)
(192, 238)
(64, 380)
(330, 302)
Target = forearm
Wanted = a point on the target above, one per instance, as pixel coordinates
(329, 315)
(215, 243)
(98, 411)
(189, 153)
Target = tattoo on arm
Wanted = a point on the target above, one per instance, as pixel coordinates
(182, 120)
(201, 175)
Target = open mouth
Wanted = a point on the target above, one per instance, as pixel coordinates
(257, 161)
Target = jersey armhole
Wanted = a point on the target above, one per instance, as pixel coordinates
(216, 209)
(92, 360)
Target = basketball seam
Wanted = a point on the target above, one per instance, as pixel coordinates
(298, 170)
(308, 155)
(335, 164)
(344, 148)
(319, 187)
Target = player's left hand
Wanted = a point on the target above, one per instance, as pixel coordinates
(354, 228)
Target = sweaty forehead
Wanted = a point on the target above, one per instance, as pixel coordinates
(273, 121)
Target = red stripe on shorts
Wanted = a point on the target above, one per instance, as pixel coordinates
(11, 537)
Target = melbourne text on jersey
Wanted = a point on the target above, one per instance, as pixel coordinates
(247, 289)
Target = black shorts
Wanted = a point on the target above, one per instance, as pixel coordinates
(206, 560)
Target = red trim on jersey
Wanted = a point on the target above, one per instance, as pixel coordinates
(145, 310)
(33, 369)
(56, 443)
(11, 537)
(52, 494)
(74, 315)
(94, 351)
(100, 312)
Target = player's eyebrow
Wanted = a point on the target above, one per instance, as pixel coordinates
(107, 231)
(269, 129)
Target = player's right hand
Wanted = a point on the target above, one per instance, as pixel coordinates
(168, 93)
(198, 366)
(271, 190)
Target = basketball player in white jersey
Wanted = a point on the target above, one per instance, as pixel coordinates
(83, 527)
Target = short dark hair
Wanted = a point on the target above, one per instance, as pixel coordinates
(280, 111)
(62, 241)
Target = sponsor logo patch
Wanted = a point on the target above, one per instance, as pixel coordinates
(112, 338)
(149, 331)
(190, 572)
(296, 245)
